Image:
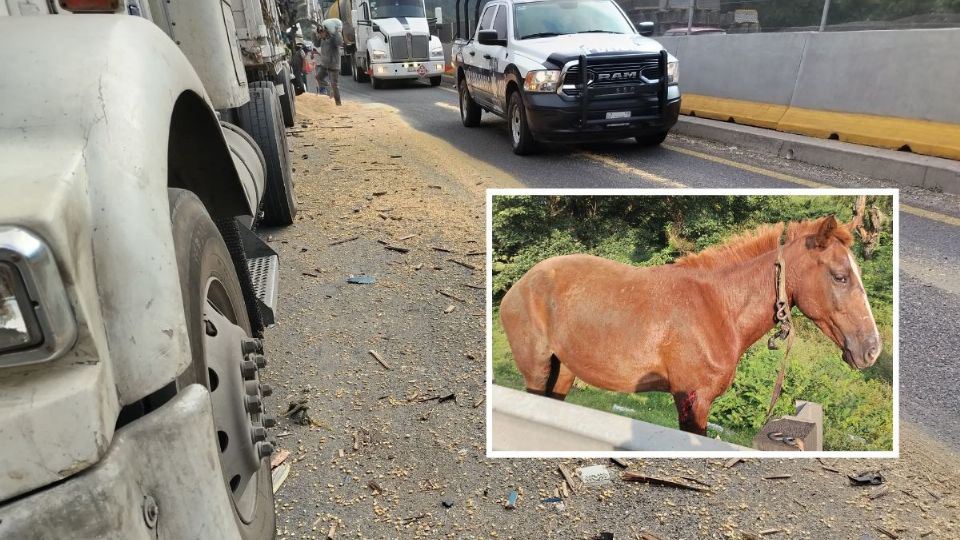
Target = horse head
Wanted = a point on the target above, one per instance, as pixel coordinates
(829, 291)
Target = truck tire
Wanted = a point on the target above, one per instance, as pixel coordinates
(345, 64)
(288, 104)
(215, 310)
(435, 81)
(260, 117)
(469, 110)
(520, 137)
(651, 140)
(359, 71)
(376, 83)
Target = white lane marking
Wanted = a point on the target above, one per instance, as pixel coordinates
(448, 89)
(447, 106)
(624, 168)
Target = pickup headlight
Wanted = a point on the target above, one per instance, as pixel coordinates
(673, 72)
(36, 322)
(377, 54)
(544, 80)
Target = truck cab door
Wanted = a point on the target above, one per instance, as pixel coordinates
(498, 61)
(364, 30)
(478, 58)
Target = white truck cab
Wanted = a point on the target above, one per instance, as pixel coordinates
(390, 40)
(566, 71)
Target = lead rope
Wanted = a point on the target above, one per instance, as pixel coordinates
(785, 333)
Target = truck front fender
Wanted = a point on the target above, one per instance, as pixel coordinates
(85, 141)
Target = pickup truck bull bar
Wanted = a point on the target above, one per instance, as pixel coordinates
(662, 86)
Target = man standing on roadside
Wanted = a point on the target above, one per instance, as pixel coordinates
(328, 65)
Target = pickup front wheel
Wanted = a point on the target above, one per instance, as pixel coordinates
(469, 110)
(226, 361)
(520, 137)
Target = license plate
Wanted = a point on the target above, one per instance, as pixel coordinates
(618, 114)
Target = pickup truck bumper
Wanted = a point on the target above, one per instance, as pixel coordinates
(166, 461)
(552, 118)
(407, 70)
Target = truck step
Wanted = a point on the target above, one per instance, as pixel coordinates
(263, 265)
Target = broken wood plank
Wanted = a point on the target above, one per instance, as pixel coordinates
(463, 264)
(778, 477)
(279, 458)
(731, 462)
(379, 359)
(888, 533)
(398, 249)
(451, 296)
(475, 253)
(443, 249)
(633, 476)
(620, 462)
(344, 241)
(568, 478)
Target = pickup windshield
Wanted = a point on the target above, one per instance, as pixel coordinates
(384, 9)
(560, 17)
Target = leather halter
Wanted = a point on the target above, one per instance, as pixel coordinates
(782, 317)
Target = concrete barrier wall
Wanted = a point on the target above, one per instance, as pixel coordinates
(888, 88)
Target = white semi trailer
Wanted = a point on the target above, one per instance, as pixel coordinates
(388, 40)
(138, 157)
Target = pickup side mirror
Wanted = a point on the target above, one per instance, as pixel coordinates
(376, 27)
(490, 37)
(646, 28)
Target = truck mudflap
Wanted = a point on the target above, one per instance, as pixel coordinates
(160, 479)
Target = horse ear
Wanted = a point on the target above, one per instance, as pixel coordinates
(825, 232)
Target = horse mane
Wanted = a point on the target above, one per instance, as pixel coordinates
(753, 243)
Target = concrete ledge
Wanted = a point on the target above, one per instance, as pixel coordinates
(525, 422)
(904, 168)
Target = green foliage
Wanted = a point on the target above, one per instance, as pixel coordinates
(648, 231)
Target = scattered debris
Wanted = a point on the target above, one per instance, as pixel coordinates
(888, 533)
(450, 309)
(405, 238)
(297, 412)
(310, 274)
(778, 477)
(379, 359)
(375, 487)
(451, 295)
(448, 397)
(869, 478)
(344, 241)
(474, 253)
(605, 536)
(731, 462)
(551, 500)
(278, 458)
(472, 286)
(697, 481)
(280, 475)
(620, 462)
(879, 493)
(766, 532)
(447, 504)
(398, 249)
(362, 279)
(333, 531)
(463, 264)
(411, 519)
(747, 535)
(568, 478)
(633, 476)
(595, 475)
(443, 249)
(479, 401)
(511, 500)
(649, 536)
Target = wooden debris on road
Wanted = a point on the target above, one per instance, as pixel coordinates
(568, 478)
(475, 253)
(633, 476)
(888, 533)
(479, 401)
(344, 241)
(650, 536)
(463, 264)
(450, 309)
(731, 462)
(398, 249)
(379, 359)
(620, 462)
(451, 296)
(332, 533)
(405, 238)
(766, 532)
(279, 458)
(778, 477)
(885, 490)
(375, 487)
(472, 286)
(443, 249)
(279, 476)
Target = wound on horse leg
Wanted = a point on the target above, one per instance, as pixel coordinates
(686, 403)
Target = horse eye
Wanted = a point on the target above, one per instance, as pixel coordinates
(840, 279)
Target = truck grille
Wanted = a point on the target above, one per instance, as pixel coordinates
(409, 47)
(603, 76)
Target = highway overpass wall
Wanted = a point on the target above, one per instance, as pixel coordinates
(892, 89)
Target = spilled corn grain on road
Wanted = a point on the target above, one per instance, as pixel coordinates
(382, 450)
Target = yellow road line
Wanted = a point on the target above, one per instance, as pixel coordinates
(624, 168)
(447, 106)
(928, 214)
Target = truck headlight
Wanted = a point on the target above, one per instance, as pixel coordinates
(544, 80)
(377, 54)
(673, 72)
(436, 52)
(36, 322)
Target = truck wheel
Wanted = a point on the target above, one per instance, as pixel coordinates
(359, 72)
(260, 117)
(376, 83)
(219, 334)
(469, 110)
(345, 65)
(288, 104)
(435, 81)
(520, 136)
(651, 140)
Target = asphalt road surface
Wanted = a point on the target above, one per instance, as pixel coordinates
(929, 224)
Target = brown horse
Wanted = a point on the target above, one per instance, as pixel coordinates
(682, 328)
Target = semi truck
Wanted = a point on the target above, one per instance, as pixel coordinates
(388, 40)
(139, 157)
